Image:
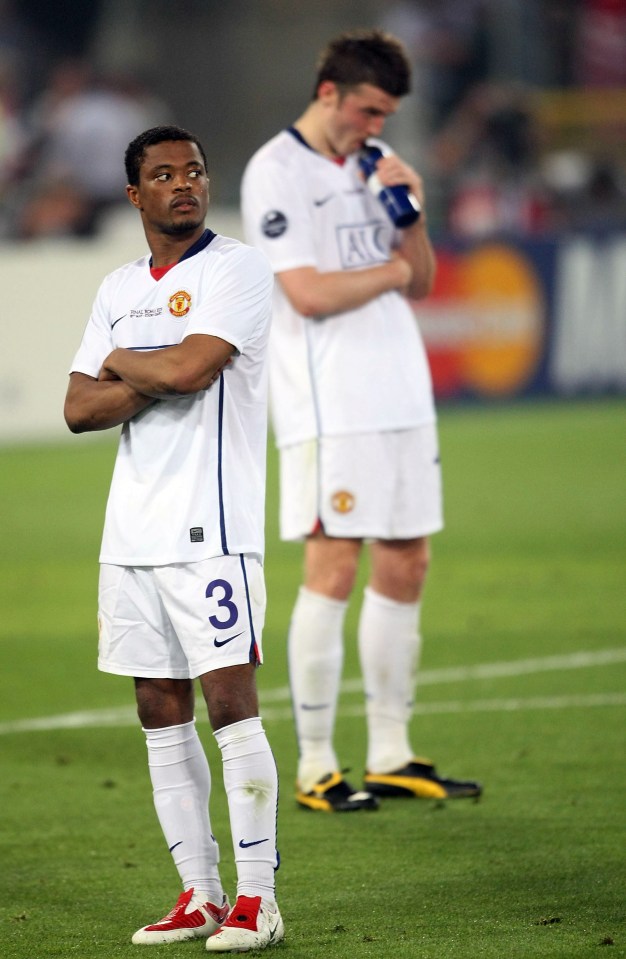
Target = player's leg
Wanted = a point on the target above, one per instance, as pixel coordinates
(177, 763)
(389, 633)
(389, 648)
(181, 784)
(250, 776)
(315, 650)
(317, 491)
(218, 609)
(251, 784)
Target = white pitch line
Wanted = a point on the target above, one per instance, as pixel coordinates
(122, 716)
(583, 701)
(127, 715)
(515, 667)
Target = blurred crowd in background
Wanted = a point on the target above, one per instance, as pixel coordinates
(532, 154)
(63, 161)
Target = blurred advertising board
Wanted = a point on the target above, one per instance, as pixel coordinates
(514, 317)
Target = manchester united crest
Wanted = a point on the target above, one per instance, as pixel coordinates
(180, 303)
(342, 501)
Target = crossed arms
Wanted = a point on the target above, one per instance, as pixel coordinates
(129, 381)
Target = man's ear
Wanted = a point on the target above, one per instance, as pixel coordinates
(133, 195)
(327, 91)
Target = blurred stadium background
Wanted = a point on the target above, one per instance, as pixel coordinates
(517, 121)
(518, 124)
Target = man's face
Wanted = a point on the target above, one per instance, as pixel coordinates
(354, 115)
(173, 191)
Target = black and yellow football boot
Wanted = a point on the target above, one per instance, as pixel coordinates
(334, 794)
(419, 779)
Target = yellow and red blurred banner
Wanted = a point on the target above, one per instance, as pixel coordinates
(510, 318)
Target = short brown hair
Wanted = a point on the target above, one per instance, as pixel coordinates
(366, 56)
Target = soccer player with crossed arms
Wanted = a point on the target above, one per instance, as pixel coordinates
(175, 351)
(353, 414)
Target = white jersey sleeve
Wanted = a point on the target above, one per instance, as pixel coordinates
(97, 340)
(240, 280)
(277, 217)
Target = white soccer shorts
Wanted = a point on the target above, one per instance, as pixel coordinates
(363, 486)
(182, 620)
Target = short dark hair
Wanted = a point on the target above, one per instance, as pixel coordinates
(366, 56)
(136, 149)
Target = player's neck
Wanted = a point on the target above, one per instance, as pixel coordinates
(311, 127)
(167, 249)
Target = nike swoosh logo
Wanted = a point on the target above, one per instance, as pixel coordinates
(246, 845)
(223, 642)
(118, 319)
(176, 844)
(323, 200)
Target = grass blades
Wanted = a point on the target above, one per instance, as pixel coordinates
(523, 688)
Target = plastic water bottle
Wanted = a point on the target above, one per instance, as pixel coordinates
(401, 205)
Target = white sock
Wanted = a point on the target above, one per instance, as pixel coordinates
(181, 784)
(251, 783)
(389, 648)
(315, 652)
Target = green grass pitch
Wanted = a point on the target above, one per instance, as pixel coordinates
(524, 670)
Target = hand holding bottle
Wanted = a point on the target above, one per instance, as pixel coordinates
(387, 182)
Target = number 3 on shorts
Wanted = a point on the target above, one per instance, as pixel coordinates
(225, 603)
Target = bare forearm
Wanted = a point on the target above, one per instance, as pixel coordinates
(145, 373)
(321, 294)
(93, 405)
(180, 370)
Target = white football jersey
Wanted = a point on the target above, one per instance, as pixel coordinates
(189, 478)
(363, 370)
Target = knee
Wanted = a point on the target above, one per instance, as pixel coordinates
(400, 573)
(230, 695)
(336, 580)
(407, 581)
(417, 566)
(164, 702)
